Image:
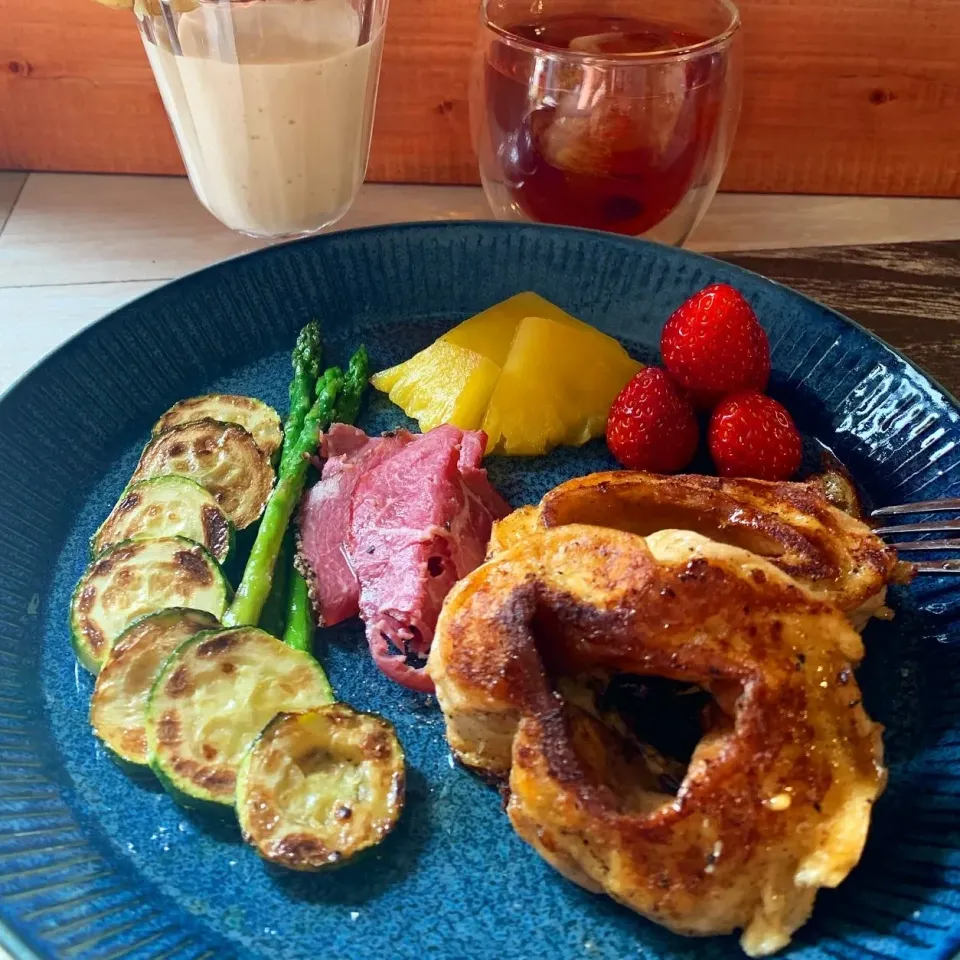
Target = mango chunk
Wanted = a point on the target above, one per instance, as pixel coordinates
(525, 371)
(491, 332)
(445, 383)
(556, 387)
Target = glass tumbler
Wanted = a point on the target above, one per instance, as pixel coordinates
(615, 115)
(271, 102)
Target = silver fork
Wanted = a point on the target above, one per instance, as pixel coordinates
(928, 526)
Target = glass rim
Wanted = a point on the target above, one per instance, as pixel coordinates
(688, 52)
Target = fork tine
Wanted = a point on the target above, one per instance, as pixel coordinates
(938, 566)
(948, 544)
(926, 506)
(946, 526)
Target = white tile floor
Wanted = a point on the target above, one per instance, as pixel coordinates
(73, 247)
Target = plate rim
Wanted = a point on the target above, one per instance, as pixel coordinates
(17, 944)
(456, 225)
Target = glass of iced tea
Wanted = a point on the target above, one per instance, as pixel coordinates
(615, 115)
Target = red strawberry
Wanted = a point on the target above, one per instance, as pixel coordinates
(713, 345)
(652, 425)
(751, 435)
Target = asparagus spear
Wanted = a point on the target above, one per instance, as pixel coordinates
(254, 588)
(274, 616)
(305, 361)
(306, 369)
(354, 383)
(299, 631)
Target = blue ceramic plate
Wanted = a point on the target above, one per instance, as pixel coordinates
(94, 864)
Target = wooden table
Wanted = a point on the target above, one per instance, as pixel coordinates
(907, 293)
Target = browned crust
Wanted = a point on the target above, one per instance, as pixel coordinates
(218, 781)
(194, 566)
(791, 524)
(301, 851)
(179, 683)
(575, 599)
(133, 740)
(308, 851)
(179, 414)
(128, 502)
(302, 565)
(214, 523)
(220, 643)
(838, 486)
(92, 634)
(170, 443)
(190, 565)
(216, 530)
(119, 554)
(173, 417)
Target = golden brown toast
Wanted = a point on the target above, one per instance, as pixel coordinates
(793, 525)
(777, 798)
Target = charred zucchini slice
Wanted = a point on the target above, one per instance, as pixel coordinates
(123, 684)
(167, 507)
(222, 457)
(135, 578)
(211, 700)
(318, 787)
(259, 420)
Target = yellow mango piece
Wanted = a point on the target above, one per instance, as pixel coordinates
(491, 332)
(556, 387)
(532, 376)
(445, 383)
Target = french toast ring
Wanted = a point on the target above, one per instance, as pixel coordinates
(777, 797)
(793, 525)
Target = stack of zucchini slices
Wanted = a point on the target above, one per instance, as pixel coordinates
(166, 540)
(225, 718)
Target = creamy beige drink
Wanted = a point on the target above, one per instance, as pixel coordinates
(272, 105)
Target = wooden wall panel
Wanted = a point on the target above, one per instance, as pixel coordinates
(841, 96)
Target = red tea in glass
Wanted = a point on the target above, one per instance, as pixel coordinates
(605, 119)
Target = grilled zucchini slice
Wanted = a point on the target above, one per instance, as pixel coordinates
(123, 684)
(318, 787)
(213, 696)
(167, 507)
(259, 420)
(135, 578)
(222, 457)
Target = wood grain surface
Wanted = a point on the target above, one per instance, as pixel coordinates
(906, 293)
(859, 96)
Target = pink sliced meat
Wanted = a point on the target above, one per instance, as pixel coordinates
(342, 444)
(418, 525)
(392, 525)
(325, 518)
(483, 505)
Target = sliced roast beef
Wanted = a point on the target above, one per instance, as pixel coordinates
(325, 518)
(393, 523)
(342, 443)
(420, 521)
